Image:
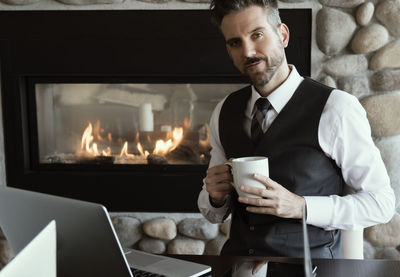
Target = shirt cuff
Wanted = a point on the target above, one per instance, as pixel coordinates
(319, 211)
(224, 207)
(213, 214)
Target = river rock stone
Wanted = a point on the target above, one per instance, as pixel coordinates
(384, 235)
(364, 13)
(19, 2)
(2, 234)
(186, 246)
(150, 245)
(346, 65)
(334, 30)
(214, 246)
(328, 81)
(197, 1)
(369, 39)
(341, 3)
(390, 253)
(387, 57)
(388, 12)
(390, 152)
(161, 228)
(89, 2)
(128, 229)
(154, 1)
(199, 228)
(386, 80)
(225, 227)
(382, 112)
(6, 254)
(369, 250)
(293, 1)
(356, 85)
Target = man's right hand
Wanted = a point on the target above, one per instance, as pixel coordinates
(218, 184)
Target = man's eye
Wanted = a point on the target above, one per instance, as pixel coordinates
(234, 43)
(258, 35)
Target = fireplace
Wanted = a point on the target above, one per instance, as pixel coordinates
(124, 123)
(113, 106)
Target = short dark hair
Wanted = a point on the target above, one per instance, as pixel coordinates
(221, 8)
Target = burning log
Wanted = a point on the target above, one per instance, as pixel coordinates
(156, 159)
(96, 160)
(187, 151)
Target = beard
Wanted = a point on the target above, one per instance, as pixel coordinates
(272, 65)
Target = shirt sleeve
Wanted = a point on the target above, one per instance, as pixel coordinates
(211, 213)
(345, 136)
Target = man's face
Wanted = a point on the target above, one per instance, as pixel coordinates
(255, 47)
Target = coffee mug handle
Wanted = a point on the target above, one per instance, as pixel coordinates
(228, 163)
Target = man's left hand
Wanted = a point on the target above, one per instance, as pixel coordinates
(276, 200)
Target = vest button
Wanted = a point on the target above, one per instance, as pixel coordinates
(251, 251)
(251, 228)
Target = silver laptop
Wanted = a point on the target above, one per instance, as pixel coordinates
(38, 258)
(87, 244)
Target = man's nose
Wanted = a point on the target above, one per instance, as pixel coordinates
(249, 50)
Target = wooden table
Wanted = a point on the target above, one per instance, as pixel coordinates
(326, 267)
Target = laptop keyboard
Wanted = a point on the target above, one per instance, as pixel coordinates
(142, 273)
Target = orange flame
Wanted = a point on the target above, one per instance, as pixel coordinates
(140, 149)
(187, 123)
(163, 147)
(88, 146)
(107, 152)
(87, 139)
(124, 151)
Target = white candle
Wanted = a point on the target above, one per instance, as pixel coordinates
(146, 123)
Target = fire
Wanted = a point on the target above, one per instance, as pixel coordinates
(88, 146)
(140, 149)
(107, 152)
(124, 151)
(163, 147)
(87, 139)
(91, 136)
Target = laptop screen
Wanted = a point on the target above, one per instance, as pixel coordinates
(86, 241)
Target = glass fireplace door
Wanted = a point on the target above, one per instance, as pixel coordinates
(122, 123)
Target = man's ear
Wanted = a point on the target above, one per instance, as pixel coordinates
(284, 34)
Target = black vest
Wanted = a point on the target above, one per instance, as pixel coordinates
(296, 161)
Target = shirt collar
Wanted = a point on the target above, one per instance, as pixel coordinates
(280, 96)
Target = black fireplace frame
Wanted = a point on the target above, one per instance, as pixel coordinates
(125, 46)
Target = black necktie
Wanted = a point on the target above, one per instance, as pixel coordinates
(262, 105)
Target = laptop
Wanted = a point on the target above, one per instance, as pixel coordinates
(38, 258)
(87, 244)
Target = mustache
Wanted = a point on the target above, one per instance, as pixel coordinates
(249, 61)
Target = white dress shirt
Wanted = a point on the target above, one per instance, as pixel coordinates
(344, 135)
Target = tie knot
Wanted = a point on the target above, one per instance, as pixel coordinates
(262, 104)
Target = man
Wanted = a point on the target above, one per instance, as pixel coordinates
(317, 139)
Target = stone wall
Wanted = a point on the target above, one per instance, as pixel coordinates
(361, 44)
(170, 233)
(356, 48)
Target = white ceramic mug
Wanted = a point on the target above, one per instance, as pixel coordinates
(243, 170)
(245, 270)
